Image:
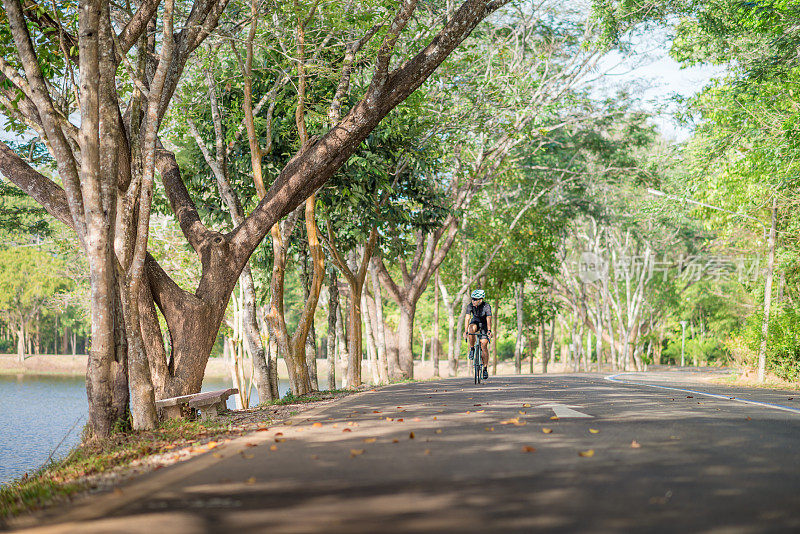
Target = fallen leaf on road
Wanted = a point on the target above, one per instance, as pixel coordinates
(526, 405)
(262, 429)
(411, 435)
(317, 425)
(400, 420)
(356, 452)
(513, 421)
(376, 411)
(438, 430)
(280, 440)
(554, 418)
(287, 423)
(476, 404)
(480, 411)
(586, 454)
(390, 419)
(790, 398)
(635, 445)
(427, 451)
(278, 434)
(246, 445)
(216, 455)
(434, 418)
(522, 412)
(273, 448)
(749, 418)
(395, 441)
(547, 430)
(251, 480)
(352, 423)
(528, 448)
(489, 429)
(300, 429)
(347, 430)
(689, 397)
(416, 419)
(594, 431)
(248, 456)
(315, 456)
(335, 425)
(369, 440)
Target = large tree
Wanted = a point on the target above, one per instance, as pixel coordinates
(107, 167)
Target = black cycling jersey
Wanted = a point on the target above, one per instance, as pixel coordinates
(480, 315)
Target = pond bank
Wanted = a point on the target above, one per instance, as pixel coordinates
(101, 466)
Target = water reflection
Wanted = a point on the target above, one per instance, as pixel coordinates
(44, 415)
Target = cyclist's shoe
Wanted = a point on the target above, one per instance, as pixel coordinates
(485, 373)
(471, 353)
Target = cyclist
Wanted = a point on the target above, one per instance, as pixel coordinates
(479, 322)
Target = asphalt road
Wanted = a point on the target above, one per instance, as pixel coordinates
(650, 458)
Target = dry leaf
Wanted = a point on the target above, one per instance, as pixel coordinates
(280, 440)
(594, 431)
(262, 429)
(438, 430)
(248, 456)
(317, 425)
(273, 448)
(749, 418)
(522, 412)
(489, 429)
(335, 425)
(369, 440)
(395, 441)
(526, 405)
(635, 445)
(278, 434)
(246, 445)
(586, 454)
(216, 455)
(528, 448)
(400, 420)
(389, 419)
(554, 418)
(476, 405)
(411, 435)
(434, 418)
(356, 452)
(480, 411)
(513, 421)
(416, 419)
(315, 457)
(347, 430)
(376, 411)
(251, 480)
(547, 430)
(427, 451)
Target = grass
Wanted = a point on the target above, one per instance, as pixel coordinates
(63, 478)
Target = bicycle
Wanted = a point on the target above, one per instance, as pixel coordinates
(477, 362)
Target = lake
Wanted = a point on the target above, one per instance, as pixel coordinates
(44, 415)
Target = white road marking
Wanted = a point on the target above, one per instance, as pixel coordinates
(563, 411)
(613, 378)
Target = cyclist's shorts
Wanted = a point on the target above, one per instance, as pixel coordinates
(483, 327)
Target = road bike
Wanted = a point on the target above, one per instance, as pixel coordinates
(477, 360)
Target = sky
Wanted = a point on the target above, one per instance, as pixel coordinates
(658, 79)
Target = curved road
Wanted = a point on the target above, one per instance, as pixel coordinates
(654, 452)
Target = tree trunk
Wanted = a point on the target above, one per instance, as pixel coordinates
(436, 343)
(333, 331)
(341, 336)
(21, 342)
(405, 339)
(519, 300)
(372, 349)
(495, 326)
(762, 350)
(380, 326)
(393, 354)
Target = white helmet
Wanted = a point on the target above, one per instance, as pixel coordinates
(478, 294)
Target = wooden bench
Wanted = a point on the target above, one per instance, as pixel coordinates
(210, 403)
